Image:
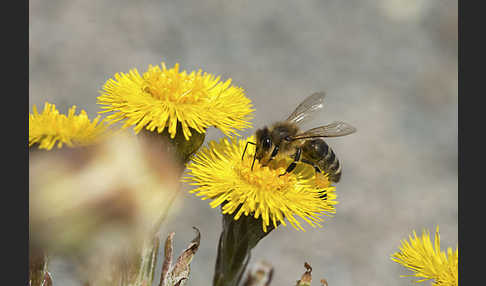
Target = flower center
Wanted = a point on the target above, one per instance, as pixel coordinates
(170, 85)
(265, 177)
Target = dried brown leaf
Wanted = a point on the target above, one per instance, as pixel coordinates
(178, 275)
(168, 255)
(47, 279)
(182, 265)
(306, 278)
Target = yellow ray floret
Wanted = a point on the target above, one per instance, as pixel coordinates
(221, 175)
(50, 127)
(164, 98)
(427, 260)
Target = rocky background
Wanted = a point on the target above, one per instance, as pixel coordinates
(389, 67)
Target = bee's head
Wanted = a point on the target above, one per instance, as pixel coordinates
(263, 142)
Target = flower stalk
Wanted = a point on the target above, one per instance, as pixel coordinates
(148, 262)
(181, 147)
(236, 241)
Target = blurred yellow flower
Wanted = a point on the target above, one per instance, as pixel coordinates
(222, 175)
(50, 127)
(164, 98)
(427, 260)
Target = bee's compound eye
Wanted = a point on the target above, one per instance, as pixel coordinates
(267, 143)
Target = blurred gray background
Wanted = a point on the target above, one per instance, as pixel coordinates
(389, 67)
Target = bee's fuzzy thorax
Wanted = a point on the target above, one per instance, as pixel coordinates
(281, 130)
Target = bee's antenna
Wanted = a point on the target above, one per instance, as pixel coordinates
(244, 151)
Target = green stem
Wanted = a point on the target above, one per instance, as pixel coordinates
(237, 239)
(182, 148)
(149, 255)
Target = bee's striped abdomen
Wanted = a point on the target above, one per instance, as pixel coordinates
(319, 153)
(330, 164)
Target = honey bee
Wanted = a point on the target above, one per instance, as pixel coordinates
(284, 138)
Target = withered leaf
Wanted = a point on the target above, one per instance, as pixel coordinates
(306, 278)
(180, 272)
(182, 268)
(47, 279)
(168, 254)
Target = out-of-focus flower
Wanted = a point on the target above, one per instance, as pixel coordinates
(50, 127)
(163, 98)
(427, 260)
(222, 175)
(99, 201)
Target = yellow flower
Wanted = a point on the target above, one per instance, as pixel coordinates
(222, 175)
(50, 127)
(164, 98)
(427, 260)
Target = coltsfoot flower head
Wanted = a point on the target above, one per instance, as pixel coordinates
(162, 98)
(221, 175)
(50, 127)
(427, 260)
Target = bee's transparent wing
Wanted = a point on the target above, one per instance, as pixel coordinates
(334, 129)
(309, 106)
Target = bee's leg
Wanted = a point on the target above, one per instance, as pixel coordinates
(272, 156)
(244, 151)
(312, 164)
(323, 193)
(323, 196)
(253, 163)
(292, 165)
